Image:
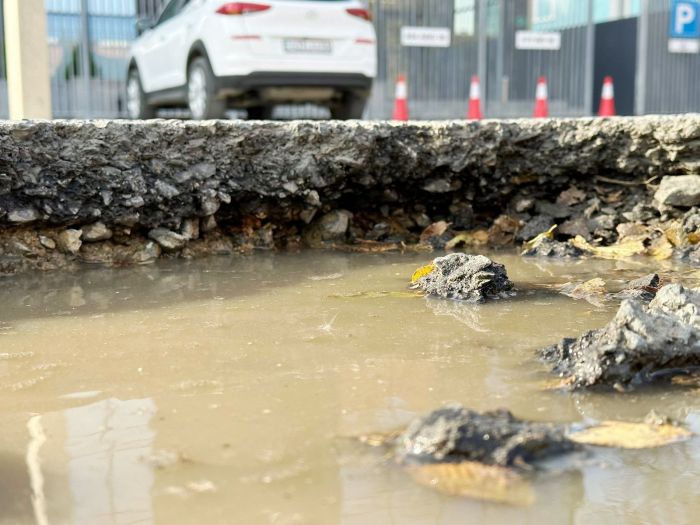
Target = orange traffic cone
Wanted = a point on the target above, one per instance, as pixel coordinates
(607, 99)
(541, 105)
(401, 102)
(474, 112)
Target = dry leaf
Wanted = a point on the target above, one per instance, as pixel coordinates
(422, 272)
(625, 248)
(571, 196)
(620, 434)
(475, 480)
(693, 238)
(472, 238)
(592, 291)
(503, 230)
(434, 230)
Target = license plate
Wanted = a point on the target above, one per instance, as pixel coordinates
(307, 45)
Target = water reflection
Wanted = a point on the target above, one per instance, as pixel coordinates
(88, 464)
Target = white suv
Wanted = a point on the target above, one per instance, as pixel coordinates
(213, 54)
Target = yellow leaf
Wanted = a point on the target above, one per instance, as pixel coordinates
(625, 248)
(675, 235)
(549, 234)
(594, 286)
(661, 249)
(693, 238)
(473, 238)
(475, 480)
(422, 272)
(620, 434)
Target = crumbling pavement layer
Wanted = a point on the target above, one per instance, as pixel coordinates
(134, 191)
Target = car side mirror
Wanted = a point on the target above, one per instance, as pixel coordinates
(143, 25)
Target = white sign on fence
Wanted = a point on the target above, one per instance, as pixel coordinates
(683, 45)
(547, 41)
(426, 36)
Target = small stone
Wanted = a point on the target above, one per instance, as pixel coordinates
(208, 224)
(22, 215)
(313, 199)
(523, 204)
(167, 239)
(210, 205)
(190, 228)
(378, 232)
(166, 190)
(545, 247)
(421, 219)
(461, 216)
(437, 186)
(47, 242)
(291, 187)
(149, 253)
(643, 288)
(628, 229)
(308, 215)
(203, 170)
(683, 191)
(332, 227)
(602, 222)
(558, 211)
(96, 232)
(574, 227)
(68, 241)
(471, 278)
(532, 228)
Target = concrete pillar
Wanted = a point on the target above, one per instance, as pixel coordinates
(27, 52)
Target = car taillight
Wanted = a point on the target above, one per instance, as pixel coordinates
(360, 13)
(241, 8)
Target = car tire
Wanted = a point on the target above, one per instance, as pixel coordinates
(136, 105)
(351, 107)
(201, 91)
(260, 112)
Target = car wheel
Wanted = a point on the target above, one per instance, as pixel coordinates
(260, 112)
(350, 107)
(201, 95)
(136, 106)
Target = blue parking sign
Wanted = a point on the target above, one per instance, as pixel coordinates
(685, 15)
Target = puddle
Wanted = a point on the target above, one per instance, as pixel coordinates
(224, 391)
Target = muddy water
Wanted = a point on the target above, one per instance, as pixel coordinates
(226, 391)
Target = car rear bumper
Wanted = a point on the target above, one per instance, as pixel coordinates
(259, 80)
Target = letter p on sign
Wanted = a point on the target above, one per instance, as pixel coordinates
(684, 19)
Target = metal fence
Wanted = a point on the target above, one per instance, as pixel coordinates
(667, 82)
(89, 42)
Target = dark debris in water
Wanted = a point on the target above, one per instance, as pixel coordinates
(640, 345)
(471, 278)
(455, 434)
